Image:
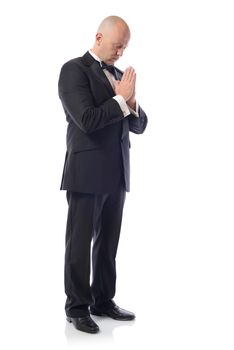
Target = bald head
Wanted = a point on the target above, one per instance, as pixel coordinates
(110, 23)
(112, 38)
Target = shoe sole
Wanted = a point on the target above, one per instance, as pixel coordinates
(82, 330)
(114, 318)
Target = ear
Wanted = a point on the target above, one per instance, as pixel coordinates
(99, 37)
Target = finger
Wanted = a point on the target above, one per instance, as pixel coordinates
(116, 84)
(127, 73)
(132, 76)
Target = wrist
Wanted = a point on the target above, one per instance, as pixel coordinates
(132, 103)
(122, 96)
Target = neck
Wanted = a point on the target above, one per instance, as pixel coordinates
(96, 52)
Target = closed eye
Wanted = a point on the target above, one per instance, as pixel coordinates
(119, 46)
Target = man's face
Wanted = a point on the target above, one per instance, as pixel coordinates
(113, 44)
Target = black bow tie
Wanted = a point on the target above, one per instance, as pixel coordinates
(110, 69)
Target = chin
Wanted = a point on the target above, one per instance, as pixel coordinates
(114, 60)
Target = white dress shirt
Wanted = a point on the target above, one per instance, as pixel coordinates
(121, 101)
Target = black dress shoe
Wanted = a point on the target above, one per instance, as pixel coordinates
(84, 324)
(114, 312)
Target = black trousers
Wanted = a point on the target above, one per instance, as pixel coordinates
(93, 220)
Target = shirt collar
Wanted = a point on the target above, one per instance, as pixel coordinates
(95, 56)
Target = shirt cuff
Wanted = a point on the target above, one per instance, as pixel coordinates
(123, 105)
(135, 113)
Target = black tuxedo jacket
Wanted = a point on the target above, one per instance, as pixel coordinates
(97, 156)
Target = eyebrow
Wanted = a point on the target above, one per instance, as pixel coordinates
(119, 44)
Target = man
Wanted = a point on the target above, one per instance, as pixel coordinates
(100, 107)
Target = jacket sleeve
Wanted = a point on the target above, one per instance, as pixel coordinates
(77, 99)
(137, 125)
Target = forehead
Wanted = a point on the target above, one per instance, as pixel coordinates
(119, 36)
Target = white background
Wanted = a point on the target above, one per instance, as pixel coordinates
(175, 259)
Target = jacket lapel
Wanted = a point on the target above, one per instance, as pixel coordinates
(88, 60)
(119, 73)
